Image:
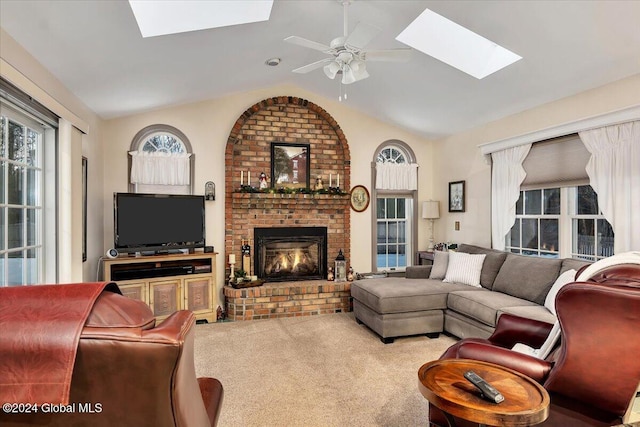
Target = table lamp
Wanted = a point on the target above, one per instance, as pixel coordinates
(430, 211)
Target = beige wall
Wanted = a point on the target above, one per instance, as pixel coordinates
(460, 159)
(208, 124)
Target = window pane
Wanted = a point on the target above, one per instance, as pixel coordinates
(16, 224)
(402, 234)
(380, 208)
(515, 234)
(32, 187)
(15, 185)
(519, 204)
(31, 227)
(533, 202)
(391, 208)
(549, 234)
(401, 208)
(30, 149)
(382, 256)
(402, 256)
(15, 145)
(15, 268)
(3, 143)
(382, 232)
(605, 238)
(392, 237)
(2, 228)
(32, 267)
(587, 201)
(584, 236)
(530, 233)
(3, 167)
(552, 201)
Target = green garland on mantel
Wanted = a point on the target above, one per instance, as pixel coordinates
(333, 191)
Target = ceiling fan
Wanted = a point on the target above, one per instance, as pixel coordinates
(348, 56)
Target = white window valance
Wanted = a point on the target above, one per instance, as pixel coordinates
(160, 168)
(394, 176)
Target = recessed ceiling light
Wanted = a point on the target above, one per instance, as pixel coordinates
(157, 17)
(456, 45)
(272, 62)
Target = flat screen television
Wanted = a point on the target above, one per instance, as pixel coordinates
(158, 222)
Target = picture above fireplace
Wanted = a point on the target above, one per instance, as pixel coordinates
(289, 165)
(290, 253)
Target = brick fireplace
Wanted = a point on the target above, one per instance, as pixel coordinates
(286, 120)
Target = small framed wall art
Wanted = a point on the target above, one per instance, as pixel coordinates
(456, 196)
(359, 198)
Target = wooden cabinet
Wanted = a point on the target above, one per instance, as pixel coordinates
(168, 283)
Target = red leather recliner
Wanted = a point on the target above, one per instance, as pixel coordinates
(592, 377)
(127, 371)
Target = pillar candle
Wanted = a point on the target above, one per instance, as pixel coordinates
(232, 258)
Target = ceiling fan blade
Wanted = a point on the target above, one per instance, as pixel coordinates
(361, 35)
(308, 43)
(389, 55)
(313, 66)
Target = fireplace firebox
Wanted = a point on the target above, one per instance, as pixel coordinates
(290, 253)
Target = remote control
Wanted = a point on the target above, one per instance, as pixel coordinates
(488, 391)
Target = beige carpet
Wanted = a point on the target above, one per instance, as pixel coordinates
(314, 371)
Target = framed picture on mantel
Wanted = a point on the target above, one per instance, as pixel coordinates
(289, 165)
(456, 196)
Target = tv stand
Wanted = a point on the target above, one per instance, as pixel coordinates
(168, 283)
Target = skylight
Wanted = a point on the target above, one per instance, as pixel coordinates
(157, 17)
(456, 45)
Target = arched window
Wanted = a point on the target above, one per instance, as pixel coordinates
(395, 193)
(161, 161)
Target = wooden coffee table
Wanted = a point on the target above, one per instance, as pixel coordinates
(525, 401)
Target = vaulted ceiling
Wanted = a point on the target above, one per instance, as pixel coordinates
(95, 49)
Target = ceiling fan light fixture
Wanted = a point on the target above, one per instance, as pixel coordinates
(348, 76)
(331, 69)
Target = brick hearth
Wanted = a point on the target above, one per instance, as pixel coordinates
(287, 299)
(286, 119)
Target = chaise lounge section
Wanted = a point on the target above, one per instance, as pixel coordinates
(417, 304)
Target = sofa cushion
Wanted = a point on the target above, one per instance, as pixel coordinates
(483, 305)
(492, 262)
(535, 312)
(390, 295)
(440, 264)
(464, 268)
(527, 277)
(575, 264)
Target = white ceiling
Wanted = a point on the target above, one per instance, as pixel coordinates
(95, 49)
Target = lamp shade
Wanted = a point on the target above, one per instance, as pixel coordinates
(431, 209)
(331, 69)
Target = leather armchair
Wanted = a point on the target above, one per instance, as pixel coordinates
(593, 375)
(130, 372)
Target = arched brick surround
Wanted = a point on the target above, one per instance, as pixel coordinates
(290, 120)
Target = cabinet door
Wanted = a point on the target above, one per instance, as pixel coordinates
(135, 290)
(198, 295)
(164, 297)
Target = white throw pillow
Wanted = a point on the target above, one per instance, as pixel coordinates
(464, 268)
(440, 263)
(566, 277)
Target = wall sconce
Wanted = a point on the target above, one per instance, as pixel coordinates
(430, 211)
(209, 191)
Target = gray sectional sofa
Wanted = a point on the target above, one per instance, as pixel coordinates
(401, 306)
